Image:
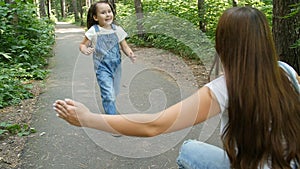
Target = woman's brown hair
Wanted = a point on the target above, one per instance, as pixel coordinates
(263, 106)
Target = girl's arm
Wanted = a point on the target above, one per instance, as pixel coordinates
(127, 50)
(193, 110)
(84, 46)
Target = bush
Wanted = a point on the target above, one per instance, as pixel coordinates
(173, 24)
(26, 44)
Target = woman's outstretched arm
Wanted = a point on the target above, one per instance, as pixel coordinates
(192, 110)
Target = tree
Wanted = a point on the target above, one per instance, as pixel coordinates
(42, 8)
(63, 8)
(234, 2)
(88, 3)
(201, 14)
(286, 31)
(75, 10)
(80, 7)
(140, 15)
(48, 4)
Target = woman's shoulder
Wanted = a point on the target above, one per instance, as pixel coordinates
(219, 89)
(285, 66)
(291, 73)
(218, 81)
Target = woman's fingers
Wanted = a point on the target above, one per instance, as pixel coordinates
(61, 108)
(66, 110)
(70, 102)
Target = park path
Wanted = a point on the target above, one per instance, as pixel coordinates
(147, 85)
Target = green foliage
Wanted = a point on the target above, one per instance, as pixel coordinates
(5, 55)
(184, 9)
(26, 43)
(213, 10)
(25, 35)
(174, 24)
(15, 84)
(296, 44)
(15, 129)
(167, 28)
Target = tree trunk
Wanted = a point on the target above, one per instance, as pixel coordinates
(140, 15)
(88, 3)
(234, 2)
(48, 3)
(81, 12)
(63, 8)
(286, 32)
(201, 14)
(42, 8)
(75, 10)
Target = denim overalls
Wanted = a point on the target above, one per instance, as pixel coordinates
(107, 65)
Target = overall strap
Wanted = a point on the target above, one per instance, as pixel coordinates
(113, 26)
(291, 73)
(96, 28)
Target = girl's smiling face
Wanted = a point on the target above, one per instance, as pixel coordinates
(104, 15)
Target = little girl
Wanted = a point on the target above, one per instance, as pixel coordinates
(104, 40)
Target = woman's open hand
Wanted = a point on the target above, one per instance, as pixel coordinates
(71, 111)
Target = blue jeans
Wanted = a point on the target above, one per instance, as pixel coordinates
(199, 155)
(108, 75)
(107, 65)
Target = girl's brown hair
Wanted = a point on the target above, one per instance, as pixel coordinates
(93, 11)
(263, 106)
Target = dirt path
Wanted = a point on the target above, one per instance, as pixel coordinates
(158, 79)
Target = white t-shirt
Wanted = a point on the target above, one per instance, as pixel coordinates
(219, 88)
(91, 34)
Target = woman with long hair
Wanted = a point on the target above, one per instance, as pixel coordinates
(255, 97)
